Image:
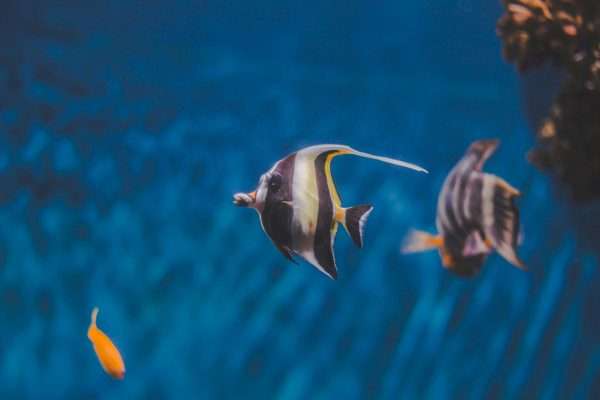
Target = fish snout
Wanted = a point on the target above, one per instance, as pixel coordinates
(244, 199)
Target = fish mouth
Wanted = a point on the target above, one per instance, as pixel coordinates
(244, 199)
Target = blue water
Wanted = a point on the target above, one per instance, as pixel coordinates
(125, 128)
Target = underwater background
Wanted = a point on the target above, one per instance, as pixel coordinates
(125, 128)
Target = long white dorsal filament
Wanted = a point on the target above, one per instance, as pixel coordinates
(388, 160)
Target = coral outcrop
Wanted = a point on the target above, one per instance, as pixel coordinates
(567, 34)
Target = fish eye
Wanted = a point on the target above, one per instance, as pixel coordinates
(275, 183)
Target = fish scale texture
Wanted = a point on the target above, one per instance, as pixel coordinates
(126, 128)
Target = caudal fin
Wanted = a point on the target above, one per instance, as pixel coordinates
(418, 241)
(354, 221)
(501, 218)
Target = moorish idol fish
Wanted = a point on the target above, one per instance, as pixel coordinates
(299, 207)
(476, 213)
(107, 353)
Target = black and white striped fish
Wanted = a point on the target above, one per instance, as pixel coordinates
(476, 213)
(300, 209)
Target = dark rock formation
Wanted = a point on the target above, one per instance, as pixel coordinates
(567, 34)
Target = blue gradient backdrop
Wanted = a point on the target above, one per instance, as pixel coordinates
(126, 126)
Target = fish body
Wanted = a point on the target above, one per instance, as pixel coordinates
(476, 214)
(300, 208)
(108, 355)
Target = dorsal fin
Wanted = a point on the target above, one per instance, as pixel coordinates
(480, 151)
(340, 149)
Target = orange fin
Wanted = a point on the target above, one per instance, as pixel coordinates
(418, 241)
(447, 260)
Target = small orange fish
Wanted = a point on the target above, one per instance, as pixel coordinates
(107, 352)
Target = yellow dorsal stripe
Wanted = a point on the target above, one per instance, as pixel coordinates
(334, 194)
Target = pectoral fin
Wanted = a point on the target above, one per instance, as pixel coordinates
(286, 253)
(475, 245)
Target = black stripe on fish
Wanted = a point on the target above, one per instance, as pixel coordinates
(466, 222)
(277, 214)
(452, 224)
(506, 216)
(285, 168)
(474, 193)
(461, 190)
(323, 241)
